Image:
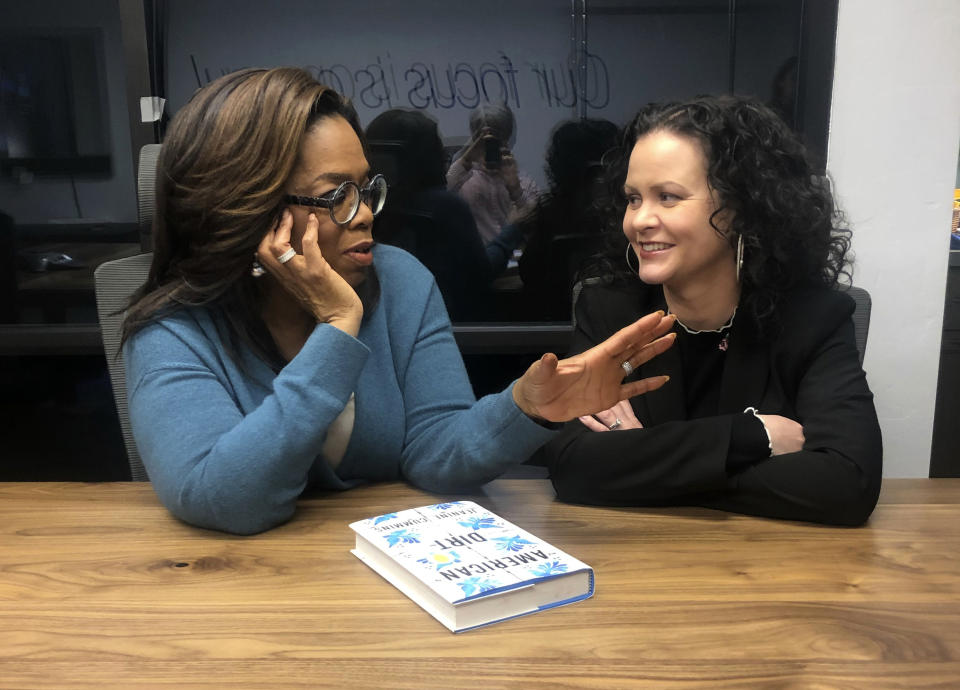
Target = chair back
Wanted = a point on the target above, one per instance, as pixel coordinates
(114, 282)
(861, 317)
(388, 158)
(575, 295)
(147, 192)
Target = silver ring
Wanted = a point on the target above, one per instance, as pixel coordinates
(627, 367)
(615, 424)
(287, 255)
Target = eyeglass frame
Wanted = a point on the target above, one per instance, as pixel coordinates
(327, 200)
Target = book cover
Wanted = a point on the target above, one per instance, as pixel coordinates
(469, 567)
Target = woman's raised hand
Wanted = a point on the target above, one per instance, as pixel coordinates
(561, 390)
(319, 289)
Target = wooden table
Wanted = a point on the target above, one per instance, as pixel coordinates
(100, 587)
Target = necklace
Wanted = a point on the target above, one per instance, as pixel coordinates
(724, 330)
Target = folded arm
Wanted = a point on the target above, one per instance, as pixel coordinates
(834, 479)
(215, 465)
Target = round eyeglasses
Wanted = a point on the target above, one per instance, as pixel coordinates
(344, 201)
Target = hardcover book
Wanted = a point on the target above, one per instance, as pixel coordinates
(468, 567)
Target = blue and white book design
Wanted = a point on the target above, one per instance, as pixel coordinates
(468, 567)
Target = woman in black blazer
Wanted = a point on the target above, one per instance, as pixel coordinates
(725, 224)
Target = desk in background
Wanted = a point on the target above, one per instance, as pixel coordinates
(53, 312)
(100, 587)
(54, 290)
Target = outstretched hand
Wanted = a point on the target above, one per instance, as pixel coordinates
(561, 390)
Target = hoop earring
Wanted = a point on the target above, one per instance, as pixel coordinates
(630, 267)
(739, 255)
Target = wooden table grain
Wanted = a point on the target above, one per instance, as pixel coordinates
(100, 587)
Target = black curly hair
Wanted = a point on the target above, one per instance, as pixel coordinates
(423, 163)
(793, 234)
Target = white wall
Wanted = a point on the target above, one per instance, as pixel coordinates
(895, 127)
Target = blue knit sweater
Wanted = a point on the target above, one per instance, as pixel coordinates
(232, 448)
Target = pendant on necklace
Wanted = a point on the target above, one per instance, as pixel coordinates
(724, 343)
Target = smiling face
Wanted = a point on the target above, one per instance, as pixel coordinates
(330, 154)
(667, 221)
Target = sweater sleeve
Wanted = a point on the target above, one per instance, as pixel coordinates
(457, 175)
(452, 441)
(212, 464)
(835, 479)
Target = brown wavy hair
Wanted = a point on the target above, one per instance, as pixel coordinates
(221, 178)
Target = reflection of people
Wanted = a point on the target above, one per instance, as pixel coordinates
(767, 411)
(565, 226)
(783, 98)
(328, 361)
(434, 224)
(485, 172)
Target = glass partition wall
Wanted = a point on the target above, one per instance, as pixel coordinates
(570, 73)
(549, 62)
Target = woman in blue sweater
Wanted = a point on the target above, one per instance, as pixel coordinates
(274, 347)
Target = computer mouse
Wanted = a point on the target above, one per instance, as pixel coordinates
(57, 261)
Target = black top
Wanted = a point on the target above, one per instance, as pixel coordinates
(698, 447)
(702, 357)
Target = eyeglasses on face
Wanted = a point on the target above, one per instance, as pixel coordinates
(344, 201)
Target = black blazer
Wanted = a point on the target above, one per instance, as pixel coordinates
(806, 368)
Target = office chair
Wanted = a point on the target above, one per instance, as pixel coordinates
(147, 192)
(114, 282)
(861, 317)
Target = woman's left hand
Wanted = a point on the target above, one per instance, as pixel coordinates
(617, 418)
(561, 390)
